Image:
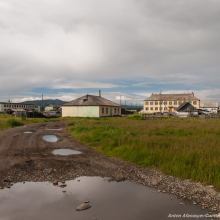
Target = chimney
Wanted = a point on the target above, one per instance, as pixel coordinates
(100, 93)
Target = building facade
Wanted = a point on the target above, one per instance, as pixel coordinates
(90, 106)
(211, 106)
(8, 105)
(168, 102)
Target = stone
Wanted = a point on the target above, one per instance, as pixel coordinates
(83, 206)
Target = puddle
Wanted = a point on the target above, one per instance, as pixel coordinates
(28, 132)
(65, 152)
(50, 138)
(108, 200)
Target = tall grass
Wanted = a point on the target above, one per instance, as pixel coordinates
(188, 149)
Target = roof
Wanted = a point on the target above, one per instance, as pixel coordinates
(91, 100)
(18, 110)
(172, 97)
(186, 107)
(13, 103)
(208, 104)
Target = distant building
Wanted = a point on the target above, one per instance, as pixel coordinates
(211, 106)
(168, 102)
(90, 106)
(8, 105)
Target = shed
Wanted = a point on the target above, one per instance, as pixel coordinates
(186, 110)
(211, 106)
(90, 106)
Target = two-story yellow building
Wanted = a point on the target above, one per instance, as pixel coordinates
(168, 102)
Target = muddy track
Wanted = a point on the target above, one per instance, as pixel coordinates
(27, 157)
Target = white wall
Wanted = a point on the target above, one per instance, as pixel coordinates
(80, 111)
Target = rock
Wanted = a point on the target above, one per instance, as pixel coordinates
(155, 183)
(62, 185)
(6, 180)
(83, 206)
(55, 182)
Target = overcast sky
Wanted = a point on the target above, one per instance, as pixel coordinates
(67, 48)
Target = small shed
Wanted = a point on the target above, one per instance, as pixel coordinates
(91, 106)
(186, 110)
(211, 106)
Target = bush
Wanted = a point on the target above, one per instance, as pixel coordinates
(14, 123)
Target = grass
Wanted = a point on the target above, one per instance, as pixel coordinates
(9, 121)
(189, 149)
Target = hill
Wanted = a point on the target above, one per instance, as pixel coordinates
(46, 102)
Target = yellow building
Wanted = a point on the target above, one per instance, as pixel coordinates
(168, 102)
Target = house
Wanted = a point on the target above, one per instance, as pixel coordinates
(186, 110)
(9, 105)
(211, 106)
(168, 102)
(90, 106)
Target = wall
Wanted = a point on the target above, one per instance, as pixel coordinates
(80, 111)
(108, 114)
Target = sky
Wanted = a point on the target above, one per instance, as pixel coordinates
(128, 49)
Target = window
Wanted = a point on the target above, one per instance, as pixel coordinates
(190, 102)
(103, 110)
(180, 102)
(161, 108)
(194, 102)
(175, 102)
(174, 108)
(170, 102)
(156, 108)
(156, 103)
(151, 108)
(146, 103)
(147, 109)
(165, 103)
(165, 108)
(161, 103)
(115, 110)
(4, 105)
(106, 111)
(151, 103)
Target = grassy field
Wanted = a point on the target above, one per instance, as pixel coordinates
(9, 121)
(186, 148)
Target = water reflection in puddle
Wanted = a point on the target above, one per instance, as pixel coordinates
(28, 132)
(65, 152)
(50, 138)
(119, 201)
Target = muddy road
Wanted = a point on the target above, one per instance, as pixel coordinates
(28, 157)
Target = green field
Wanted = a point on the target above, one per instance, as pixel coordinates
(9, 121)
(186, 148)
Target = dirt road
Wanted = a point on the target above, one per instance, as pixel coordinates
(27, 157)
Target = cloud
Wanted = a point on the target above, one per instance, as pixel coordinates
(99, 44)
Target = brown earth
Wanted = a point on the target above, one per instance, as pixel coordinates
(27, 157)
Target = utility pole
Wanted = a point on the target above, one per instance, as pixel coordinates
(42, 104)
(160, 101)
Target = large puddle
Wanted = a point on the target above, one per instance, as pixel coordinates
(108, 200)
(65, 152)
(50, 138)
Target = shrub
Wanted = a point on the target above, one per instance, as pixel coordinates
(14, 123)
